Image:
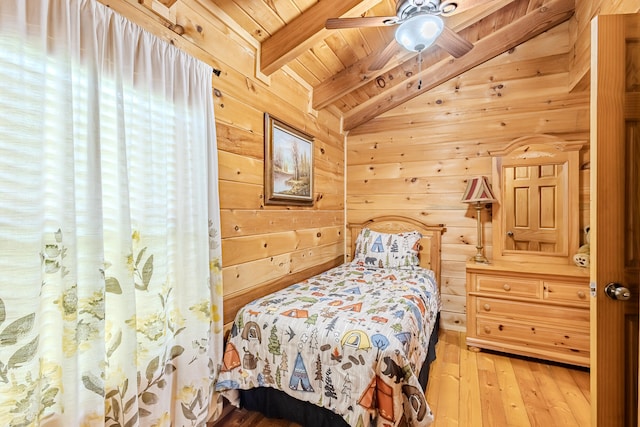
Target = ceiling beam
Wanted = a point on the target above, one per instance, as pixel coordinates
(303, 32)
(519, 31)
(361, 72)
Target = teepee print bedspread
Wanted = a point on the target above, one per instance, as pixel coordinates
(350, 339)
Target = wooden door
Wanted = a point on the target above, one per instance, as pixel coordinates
(535, 208)
(615, 217)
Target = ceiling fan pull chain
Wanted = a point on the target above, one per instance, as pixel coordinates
(420, 69)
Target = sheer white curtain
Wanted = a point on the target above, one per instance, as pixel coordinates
(110, 282)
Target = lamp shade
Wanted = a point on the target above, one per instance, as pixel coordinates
(478, 191)
(419, 32)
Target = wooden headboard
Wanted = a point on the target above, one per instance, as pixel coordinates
(429, 244)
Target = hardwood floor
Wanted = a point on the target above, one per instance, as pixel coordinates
(469, 389)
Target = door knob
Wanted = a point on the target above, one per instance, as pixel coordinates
(617, 291)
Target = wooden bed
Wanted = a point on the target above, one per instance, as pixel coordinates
(259, 361)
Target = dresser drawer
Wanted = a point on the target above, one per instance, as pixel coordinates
(530, 288)
(532, 334)
(563, 292)
(539, 313)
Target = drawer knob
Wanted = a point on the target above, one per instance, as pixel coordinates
(506, 287)
(486, 307)
(581, 294)
(487, 329)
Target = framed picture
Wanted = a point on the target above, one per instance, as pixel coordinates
(288, 164)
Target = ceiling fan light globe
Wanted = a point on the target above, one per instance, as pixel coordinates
(419, 32)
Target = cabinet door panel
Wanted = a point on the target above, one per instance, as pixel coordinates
(536, 216)
(534, 208)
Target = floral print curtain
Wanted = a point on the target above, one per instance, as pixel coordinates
(110, 272)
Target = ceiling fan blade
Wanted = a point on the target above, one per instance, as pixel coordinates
(363, 21)
(385, 56)
(450, 41)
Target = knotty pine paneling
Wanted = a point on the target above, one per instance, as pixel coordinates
(237, 141)
(500, 126)
(239, 250)
(406, 185)
(415, 160)
(237, 222)
(263, 246)
(418, 155)
(240, 168)
(239, 278)
(412, 167)
(580, 35)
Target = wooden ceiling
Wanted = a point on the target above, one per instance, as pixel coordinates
(336, 63)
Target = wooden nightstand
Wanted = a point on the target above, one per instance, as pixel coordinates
(535, 310)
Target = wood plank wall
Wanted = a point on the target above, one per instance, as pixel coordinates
(580, 35)
(413, 160)
(263, 247)
(417, 158)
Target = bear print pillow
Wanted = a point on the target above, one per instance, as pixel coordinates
(384, 250)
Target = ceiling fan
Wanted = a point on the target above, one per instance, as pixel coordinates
(419, 26)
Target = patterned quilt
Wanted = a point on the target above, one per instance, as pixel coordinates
(351, 339)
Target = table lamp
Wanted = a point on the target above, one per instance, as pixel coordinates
(479, 192)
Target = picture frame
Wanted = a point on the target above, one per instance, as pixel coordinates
(288, 164)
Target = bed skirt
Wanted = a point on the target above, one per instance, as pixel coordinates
(274, 403)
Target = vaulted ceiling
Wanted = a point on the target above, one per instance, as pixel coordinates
(348, 68)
